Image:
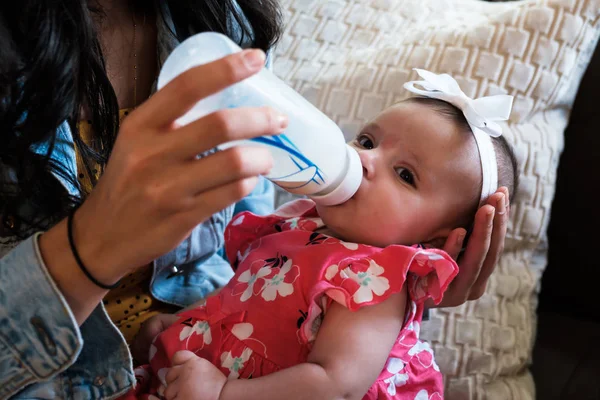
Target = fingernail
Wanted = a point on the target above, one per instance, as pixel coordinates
(490, 216)
(253, 58)
(460, 239)
(501, 205)
(507, 197)
(283, 121)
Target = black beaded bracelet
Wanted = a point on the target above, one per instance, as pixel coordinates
(78, 259)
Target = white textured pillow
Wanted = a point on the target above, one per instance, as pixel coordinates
(350, 58)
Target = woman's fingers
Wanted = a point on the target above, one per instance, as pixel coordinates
(476, 251)
(453, 246)
(195, 84)
(184, 187)
(225, 126)
(472, 260)
(135, 211)
(454, 242)
(224, 167)
(501, 202)
(212, 201)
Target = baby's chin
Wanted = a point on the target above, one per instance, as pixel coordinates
(350, 229)
(353, 235)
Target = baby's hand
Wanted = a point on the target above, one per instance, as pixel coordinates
(193, 378)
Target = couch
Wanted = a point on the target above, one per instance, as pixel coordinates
(566, 356)
(350, 58)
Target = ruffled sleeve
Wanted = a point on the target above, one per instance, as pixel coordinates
(355, 282)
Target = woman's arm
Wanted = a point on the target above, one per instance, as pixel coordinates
(347, 357)
(79, 292)
(39, 335)
(154, 191)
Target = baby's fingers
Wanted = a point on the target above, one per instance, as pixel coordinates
(172, 390)
(182, 356)
(173, 374)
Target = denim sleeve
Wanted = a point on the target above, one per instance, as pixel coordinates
(39, 336)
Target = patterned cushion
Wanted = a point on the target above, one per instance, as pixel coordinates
(350, 58)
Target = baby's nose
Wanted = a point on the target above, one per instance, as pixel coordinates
(367, 158)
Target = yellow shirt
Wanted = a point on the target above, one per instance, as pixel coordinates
(129, 305)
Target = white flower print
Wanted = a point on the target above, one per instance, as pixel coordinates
(237, 221)
(199, 328)
(431, 259)
(421, 287)
(331, 272)
(370, 282)
(425, 256)
(243, 330)
(415, 326)
(253, 246)
(141, 375)
(413, 329)
(293, 222)
(276, 285)
(424, 395)
(152, 352)
(349, 246)
(311, 325)
(394, 366)
(421, 347)
(235, 364)
(153, 349)
(250, 279)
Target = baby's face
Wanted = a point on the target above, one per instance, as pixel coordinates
(419, 173)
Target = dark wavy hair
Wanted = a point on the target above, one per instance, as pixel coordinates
(51, 65)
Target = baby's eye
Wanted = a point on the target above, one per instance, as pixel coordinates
(364, 141)
(406, 175)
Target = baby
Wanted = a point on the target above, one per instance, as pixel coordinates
(326, 301)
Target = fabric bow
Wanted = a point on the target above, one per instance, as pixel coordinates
(481, 113)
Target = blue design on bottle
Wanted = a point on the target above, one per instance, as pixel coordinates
(307, 172)
(306, 168)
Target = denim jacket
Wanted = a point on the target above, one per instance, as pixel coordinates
(44, 354)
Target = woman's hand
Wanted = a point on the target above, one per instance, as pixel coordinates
(154, 190)
(482, 253)
(140, 347)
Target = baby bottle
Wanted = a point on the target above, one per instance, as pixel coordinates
(310, 158)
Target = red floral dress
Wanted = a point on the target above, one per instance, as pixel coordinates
(287, 276)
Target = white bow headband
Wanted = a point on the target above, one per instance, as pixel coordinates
(480, 113)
